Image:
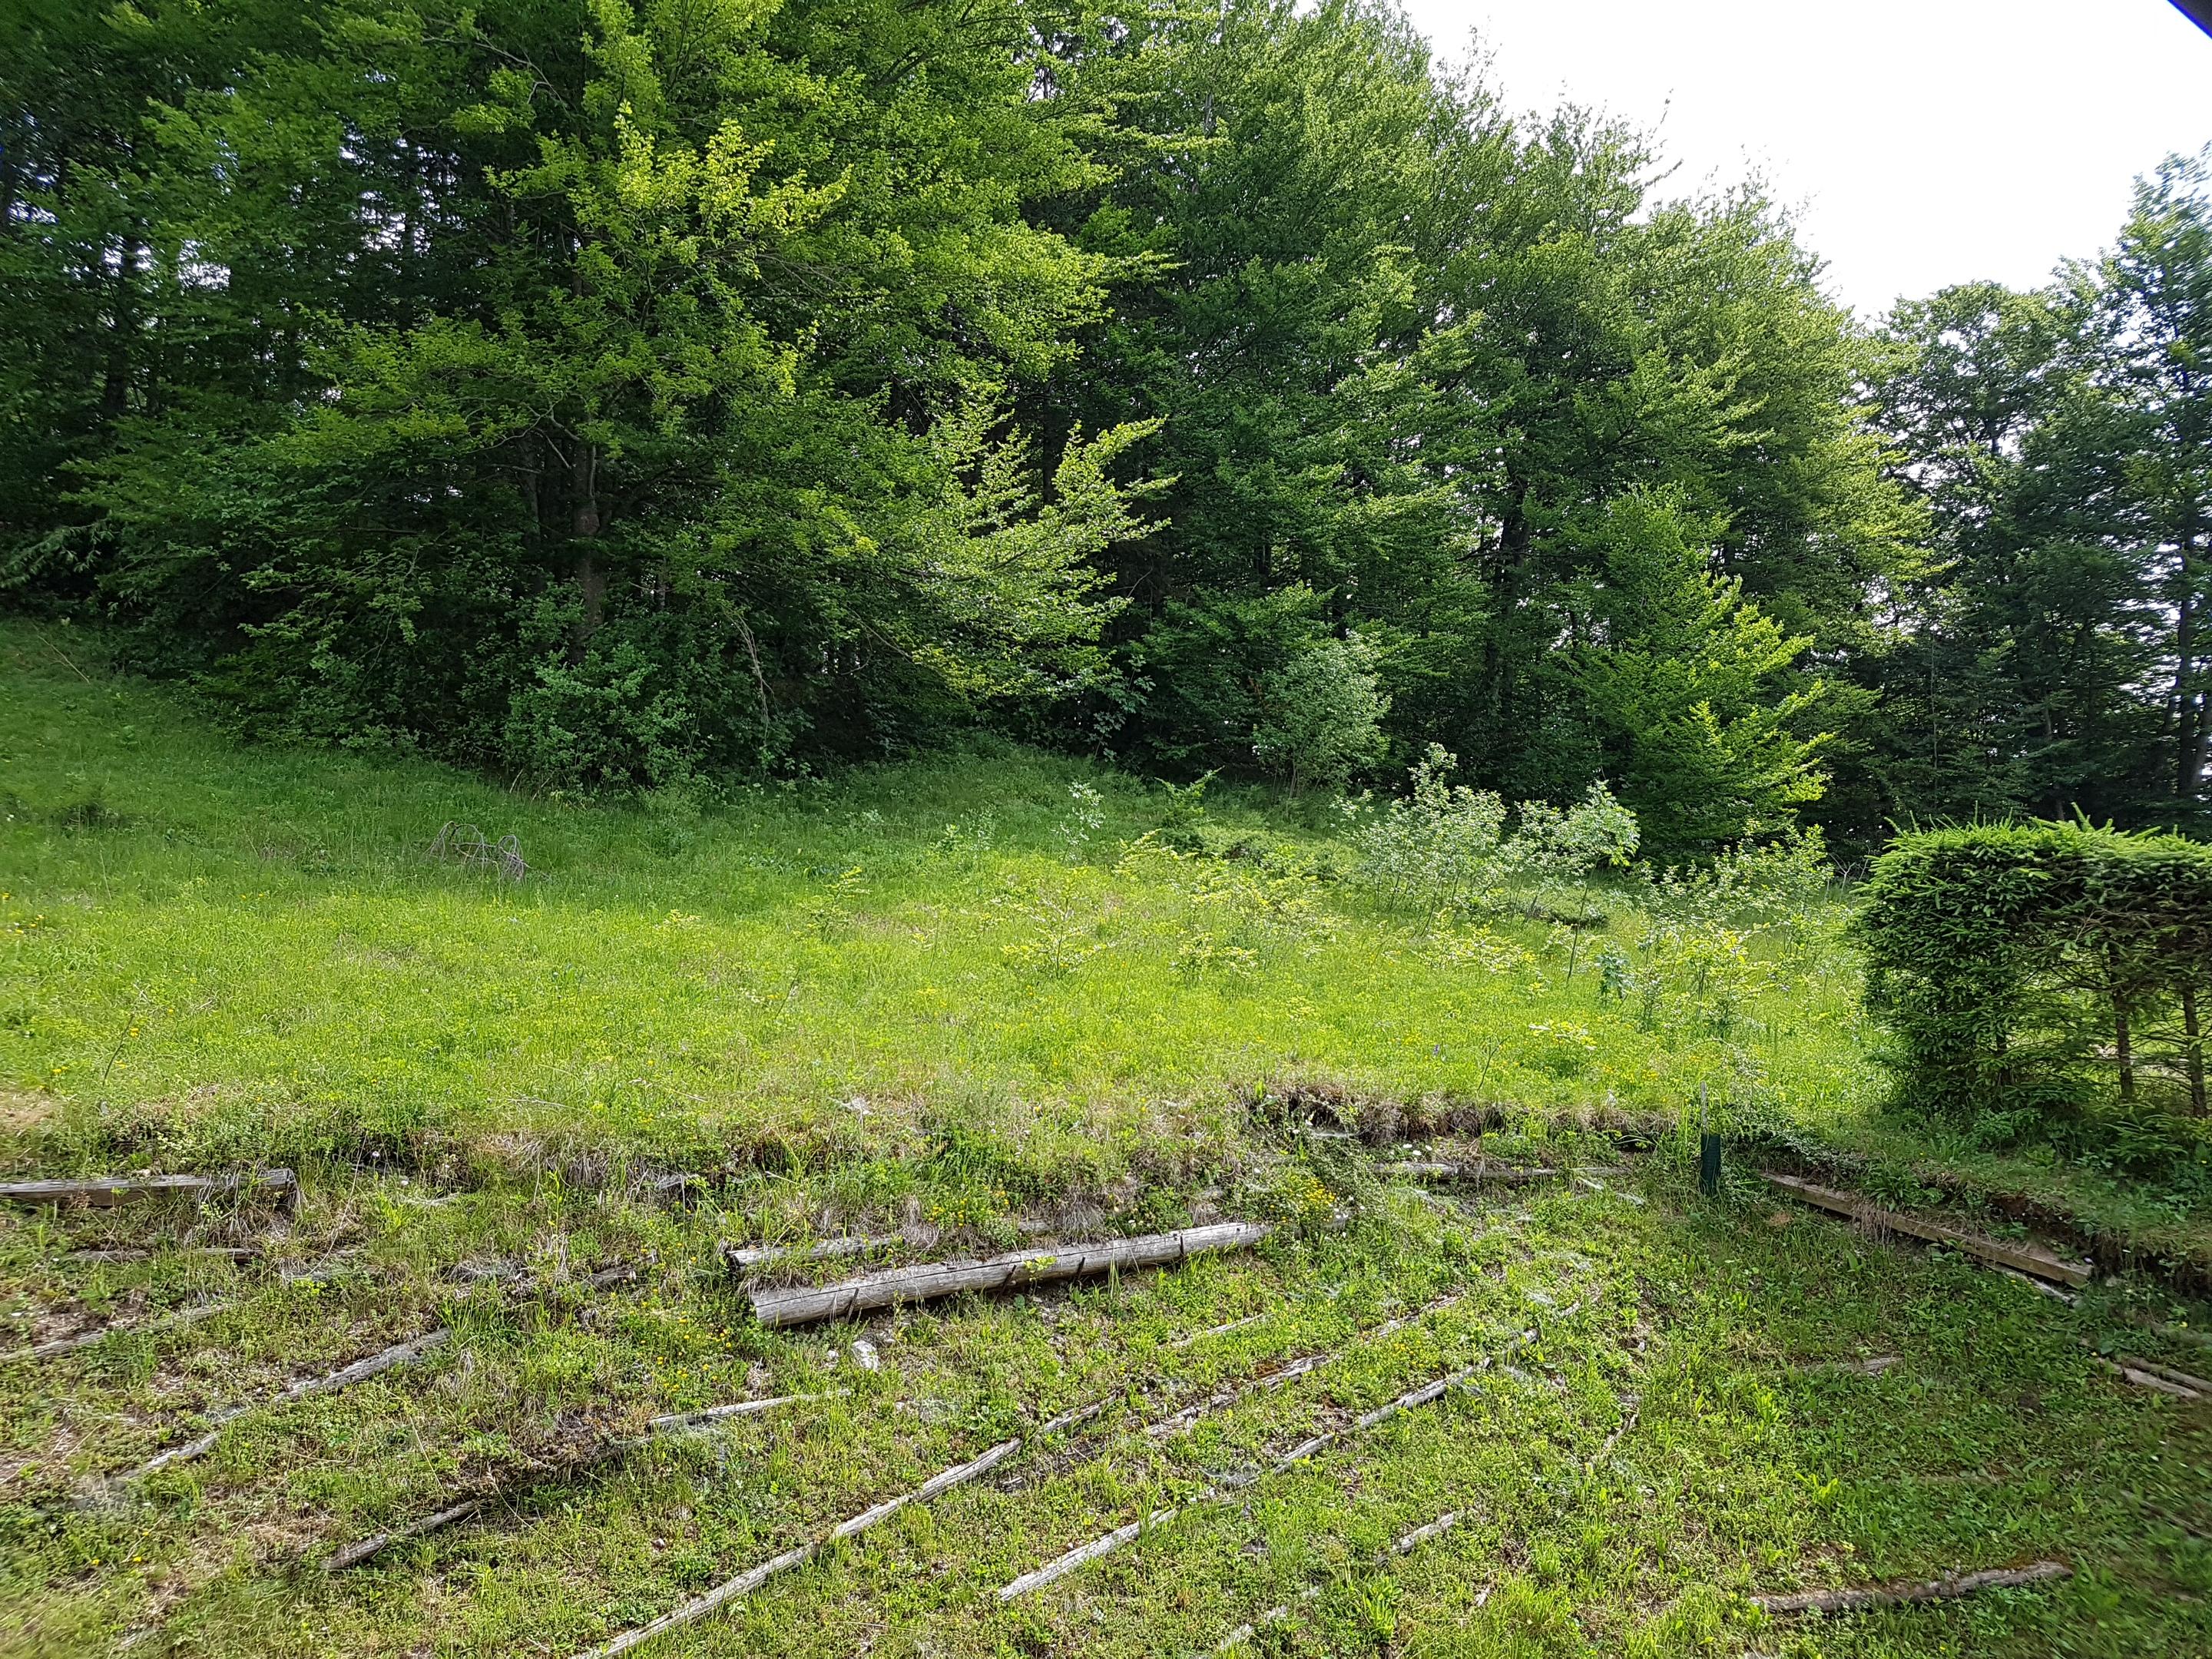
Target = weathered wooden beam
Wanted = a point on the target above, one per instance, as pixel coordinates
(809, 1304)
(1107, 1543)
(2158, 1379)
(399, 1353)
(367, 1548)
(2021, 1258)
(107, 1191)
(1948, 1588)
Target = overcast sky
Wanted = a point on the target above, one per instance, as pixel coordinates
(1922, 142)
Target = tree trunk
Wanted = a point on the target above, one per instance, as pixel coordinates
(2194, 1038)
(115, 388)
(2123, 1048)
(2191, 721)
(591, 580)
(10, 170)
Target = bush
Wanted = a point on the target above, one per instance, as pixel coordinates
(1320, 714)
(1445, 846)
(2020, 964)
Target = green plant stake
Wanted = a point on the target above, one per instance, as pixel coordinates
(1709, 1148)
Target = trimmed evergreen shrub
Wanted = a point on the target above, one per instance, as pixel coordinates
(2033, 966)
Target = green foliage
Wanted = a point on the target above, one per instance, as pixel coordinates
(2060, 443)
(2015, 963)
(623, 396)
(593, 391)
(1444, 846)
(1321, 713)
(1688, 682)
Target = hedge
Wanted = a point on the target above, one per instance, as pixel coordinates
(2027, 965)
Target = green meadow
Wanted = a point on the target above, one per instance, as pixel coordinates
(986, 997)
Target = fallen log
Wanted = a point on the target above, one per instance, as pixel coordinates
(1405, 1545)
(1879, 1366)
(209, 1252)
(743, 1258)
(399, 1353)
(365, 1549)
(105, 1192)
(1949, 1588)
(1196, 1337)
(2052, 1291)
(677, 1422)
(1627, 1427)
(2195, 1385)
(1293, 1370)
(809, 1304)
(1477, 1173)
(2021, 1258)
(2156, 1378)
(1107, 1543)
(175, 1321)
(746, 1583)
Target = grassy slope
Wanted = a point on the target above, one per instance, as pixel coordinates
(213, 953)
(245, 954)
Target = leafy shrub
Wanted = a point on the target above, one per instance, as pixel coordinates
(1445, 847)
(1057, 938)
(1321, 713)
(1085, 817)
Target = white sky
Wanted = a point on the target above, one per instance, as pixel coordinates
(1920, 142)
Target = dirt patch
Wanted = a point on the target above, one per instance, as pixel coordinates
(1382, 1119)
(24, 1113)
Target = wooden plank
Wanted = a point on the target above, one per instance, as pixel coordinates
(2022, 1258)
(106, 1192)
(399, 1353)
(171, 1321)
(354, 1554)
(808, 1304)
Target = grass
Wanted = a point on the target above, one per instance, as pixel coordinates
(945, 994)
(225, 945)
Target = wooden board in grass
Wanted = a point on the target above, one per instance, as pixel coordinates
(1477, 1172)
(807, 1305)
(104, 1192)
(2021, 1258)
